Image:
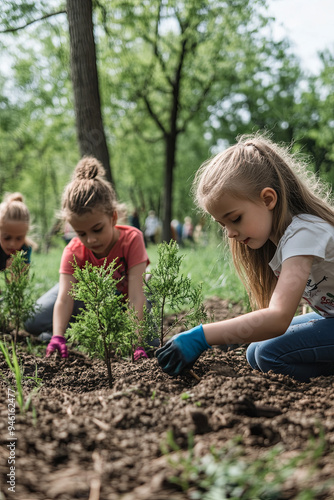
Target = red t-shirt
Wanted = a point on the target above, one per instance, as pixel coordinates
(129, 250)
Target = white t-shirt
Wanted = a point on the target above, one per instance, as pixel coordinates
(310, 235)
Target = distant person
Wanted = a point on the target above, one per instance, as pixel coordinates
(89, 205)
(176, 228)
(134, 219)
(188, 230)
(152, 226)
(14, 227)
(280, 226)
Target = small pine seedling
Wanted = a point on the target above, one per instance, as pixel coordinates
(18, 302)
(106, 324)
(166, 287)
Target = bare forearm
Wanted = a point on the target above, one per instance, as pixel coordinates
(137, 303)
(251, 327)
(61, 316)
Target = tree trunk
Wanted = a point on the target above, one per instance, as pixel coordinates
(170, 141)
(89, 123)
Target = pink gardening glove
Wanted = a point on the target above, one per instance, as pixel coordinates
(139, 353)
(57, 343)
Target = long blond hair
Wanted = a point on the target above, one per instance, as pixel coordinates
(244, 170)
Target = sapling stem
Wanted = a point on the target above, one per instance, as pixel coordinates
(194, 375)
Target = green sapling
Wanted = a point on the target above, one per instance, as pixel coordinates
(18, 301)
(167, 288)
(106, 325)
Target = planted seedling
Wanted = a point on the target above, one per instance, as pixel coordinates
(106, 325)
(17, 300)
(166, 289)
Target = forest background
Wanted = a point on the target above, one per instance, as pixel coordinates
(152, 88)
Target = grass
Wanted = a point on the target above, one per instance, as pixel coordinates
(209, 265)
(45, 267)
(14, 366)
(222, 474)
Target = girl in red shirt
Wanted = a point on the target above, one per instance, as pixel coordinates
(90, 206)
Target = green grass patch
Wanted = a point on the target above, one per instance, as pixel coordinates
(45, 267)
(226, 473)
(210, 265)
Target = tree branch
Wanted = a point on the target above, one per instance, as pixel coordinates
(153, 115)
(46, 16)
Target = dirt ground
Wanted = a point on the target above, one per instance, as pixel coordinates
(87, 441)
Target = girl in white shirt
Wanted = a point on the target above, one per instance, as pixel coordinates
(280, 226)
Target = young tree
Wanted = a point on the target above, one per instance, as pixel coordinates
(174, 61)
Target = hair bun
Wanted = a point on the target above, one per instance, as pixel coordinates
(88, 168)
(10, 197)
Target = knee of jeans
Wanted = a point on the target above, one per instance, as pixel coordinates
(155, 342)
(33, 327)
(250, 355)
(264, 357)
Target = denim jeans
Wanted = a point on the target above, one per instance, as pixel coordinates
(304, 351)
(42, 319)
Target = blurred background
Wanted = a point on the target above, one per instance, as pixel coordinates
(153, 89)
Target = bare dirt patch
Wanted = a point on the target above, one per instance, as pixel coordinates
(87, 441)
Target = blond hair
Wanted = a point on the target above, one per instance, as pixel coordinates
(88, 190)
(243, 171)
(13, 209)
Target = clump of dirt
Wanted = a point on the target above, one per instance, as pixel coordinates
(86, 441)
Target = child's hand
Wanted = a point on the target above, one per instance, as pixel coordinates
(139, 353)
(57, 343)
(182, 351)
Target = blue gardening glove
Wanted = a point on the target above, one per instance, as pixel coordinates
(182, 350)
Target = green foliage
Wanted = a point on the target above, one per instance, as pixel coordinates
(106, 325)
(46, 267)
(216, 68)
(14, 366)
(224, 474)
(167, 288)
(210, 265)
(18, 303)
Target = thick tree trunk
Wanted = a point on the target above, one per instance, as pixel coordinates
(90, 130)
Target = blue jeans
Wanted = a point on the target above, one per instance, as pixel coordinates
(304, 351)
(42, 320)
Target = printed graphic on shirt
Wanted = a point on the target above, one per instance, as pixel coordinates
(328, 300)
(312, 288)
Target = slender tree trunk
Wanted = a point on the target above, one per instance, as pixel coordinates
(170, 142)
(89, 123)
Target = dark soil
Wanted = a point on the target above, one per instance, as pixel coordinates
(88, 441)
